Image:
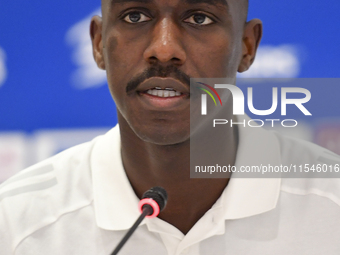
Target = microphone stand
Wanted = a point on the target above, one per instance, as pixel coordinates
(153, 201)
(147, 210)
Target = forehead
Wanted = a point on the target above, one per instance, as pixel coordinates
(236, 6)
(238, 9)
(222, 3)
(212, 2)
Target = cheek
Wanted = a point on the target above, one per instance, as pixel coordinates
(120, 63)
(114, 53)
(122, 56)
(218, 58)
(114, 64)
(228, 57)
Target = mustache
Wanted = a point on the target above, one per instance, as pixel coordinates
(158, 71)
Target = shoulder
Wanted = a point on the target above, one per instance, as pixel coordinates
(299, 151)
(44, 192)
(314, 170)
(55, 171)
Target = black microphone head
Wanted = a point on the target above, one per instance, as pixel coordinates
(159, 195)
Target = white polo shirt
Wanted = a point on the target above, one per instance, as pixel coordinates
(80, 202)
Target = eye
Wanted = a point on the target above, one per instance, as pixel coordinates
(199, 19)
(136, 17)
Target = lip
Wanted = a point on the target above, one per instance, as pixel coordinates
(163, 83)
(163, 103)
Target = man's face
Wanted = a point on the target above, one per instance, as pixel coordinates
(150, 50)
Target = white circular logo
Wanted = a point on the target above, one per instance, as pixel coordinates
(3, 70)
(87, 74)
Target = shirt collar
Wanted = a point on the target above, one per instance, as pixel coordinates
(246, 197)
(115, 202)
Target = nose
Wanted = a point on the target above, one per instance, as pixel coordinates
(165, 46)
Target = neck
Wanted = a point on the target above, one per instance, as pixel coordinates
(147, 165)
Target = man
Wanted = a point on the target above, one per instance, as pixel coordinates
(138, 47)
(83, 200)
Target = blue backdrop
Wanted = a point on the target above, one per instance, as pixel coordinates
(48, 78)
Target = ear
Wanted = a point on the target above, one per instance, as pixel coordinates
(97, 41)
(251, 39)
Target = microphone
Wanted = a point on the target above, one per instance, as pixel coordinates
(152, 203)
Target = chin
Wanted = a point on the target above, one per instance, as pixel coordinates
(164, 135)
(159, 130)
